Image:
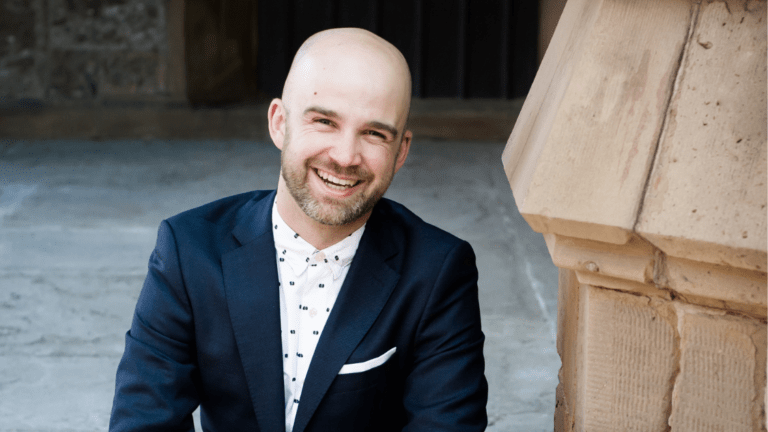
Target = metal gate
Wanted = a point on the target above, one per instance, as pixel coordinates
(455, 48)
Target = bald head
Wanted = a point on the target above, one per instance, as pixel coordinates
(340, 126)
(353, 61)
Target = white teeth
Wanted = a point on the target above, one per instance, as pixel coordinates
(337, 187)
(339, 183)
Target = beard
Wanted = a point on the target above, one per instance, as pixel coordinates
(326, 210)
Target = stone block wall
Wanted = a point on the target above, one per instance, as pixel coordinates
(80, 50)
(641, 155)
(647, 363)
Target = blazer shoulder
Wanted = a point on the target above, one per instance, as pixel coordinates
(210, 226)
(222, 211)
(413, 230)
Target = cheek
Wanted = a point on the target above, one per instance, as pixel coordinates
(313, 144)
(382, 162)
(299, 149)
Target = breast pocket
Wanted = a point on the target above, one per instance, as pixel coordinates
(363, 375)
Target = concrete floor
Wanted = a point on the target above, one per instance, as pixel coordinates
(78, 221)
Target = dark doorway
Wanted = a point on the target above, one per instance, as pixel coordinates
(221, 48)
(240, 50)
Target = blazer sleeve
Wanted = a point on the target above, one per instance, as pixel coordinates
(155, 385)
(446, 389)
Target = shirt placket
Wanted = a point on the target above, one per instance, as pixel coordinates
(310, 317)
(295, 299)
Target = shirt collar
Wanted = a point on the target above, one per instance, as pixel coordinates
(299, 254)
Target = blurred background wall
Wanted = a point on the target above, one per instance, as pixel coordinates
(212, 52)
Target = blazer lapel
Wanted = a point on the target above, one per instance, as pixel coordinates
(363, 294)
(251, 284)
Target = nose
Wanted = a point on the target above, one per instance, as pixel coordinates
(346, 151)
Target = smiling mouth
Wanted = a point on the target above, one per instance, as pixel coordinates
(334, 182)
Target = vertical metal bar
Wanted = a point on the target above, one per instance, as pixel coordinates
(223, 6)
(418, 53)
(329, 20)
(374, 25)
(289, 35)
(254, 26)
(504, 46)
(462, 51)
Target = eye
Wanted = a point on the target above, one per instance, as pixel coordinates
(324, 121)
(376, 134)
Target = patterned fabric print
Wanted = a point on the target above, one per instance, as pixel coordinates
(310, 281)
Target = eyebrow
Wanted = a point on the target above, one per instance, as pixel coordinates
(323, 111)
(333, 114)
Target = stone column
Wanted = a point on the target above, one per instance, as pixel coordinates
(640, 155)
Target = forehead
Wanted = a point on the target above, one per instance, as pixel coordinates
(353, 82)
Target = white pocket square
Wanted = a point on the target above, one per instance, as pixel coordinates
(367, 365)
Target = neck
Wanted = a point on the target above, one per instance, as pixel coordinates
(315, 233)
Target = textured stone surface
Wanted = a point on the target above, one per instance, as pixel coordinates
(20, 65)
(132, 73)
(568, 346)
(580, 154)
(82, 75)
(707, 194)
(59, 50)
(106, 24)
(20, 78)
(722, 373)
(633, 261)
(639, 363)
(74, 75)
(629, 361)
(646, 128)
(17, 27)
(722, 287)
(641, 268)
(650, 117)
(78, 221)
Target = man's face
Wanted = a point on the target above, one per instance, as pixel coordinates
(336, 166)
(340, 126)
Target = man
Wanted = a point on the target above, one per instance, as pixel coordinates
(321, 306)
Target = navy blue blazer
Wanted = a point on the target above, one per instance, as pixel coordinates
(206, 330)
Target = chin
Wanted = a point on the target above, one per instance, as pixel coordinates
(337, 214)
(322, 206)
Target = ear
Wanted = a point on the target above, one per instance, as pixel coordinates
(405, 146)
(277, 117)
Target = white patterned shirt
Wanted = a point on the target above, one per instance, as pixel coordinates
(310, 281)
